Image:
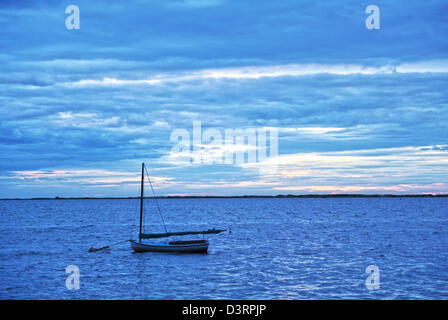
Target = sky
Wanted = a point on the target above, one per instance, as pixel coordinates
(355, 110)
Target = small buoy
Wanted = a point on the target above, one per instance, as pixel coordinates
(105, 247)
(95, 249)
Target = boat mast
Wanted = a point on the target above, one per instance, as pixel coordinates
(141, 203)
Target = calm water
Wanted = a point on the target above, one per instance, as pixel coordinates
(277, 249)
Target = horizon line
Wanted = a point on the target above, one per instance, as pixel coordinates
(339, 195)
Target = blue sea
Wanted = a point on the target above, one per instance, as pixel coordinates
(276, 248)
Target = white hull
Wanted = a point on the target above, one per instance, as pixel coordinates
(165, 247)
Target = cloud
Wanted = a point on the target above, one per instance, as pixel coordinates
(360, 170)
(256, 72)
(90, 177)
(84, 120)
(434, 188)
(345, 99)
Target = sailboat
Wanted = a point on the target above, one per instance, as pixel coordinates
(188, 246)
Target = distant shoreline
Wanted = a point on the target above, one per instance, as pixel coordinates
(250, 196)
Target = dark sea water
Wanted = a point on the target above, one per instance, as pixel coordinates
(277, 249)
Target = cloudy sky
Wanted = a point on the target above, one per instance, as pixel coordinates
(356, 110)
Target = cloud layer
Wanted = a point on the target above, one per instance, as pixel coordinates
(357, 110)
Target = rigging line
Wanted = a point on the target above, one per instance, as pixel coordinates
(160, 212)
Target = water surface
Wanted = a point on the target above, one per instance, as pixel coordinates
(302, 248)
